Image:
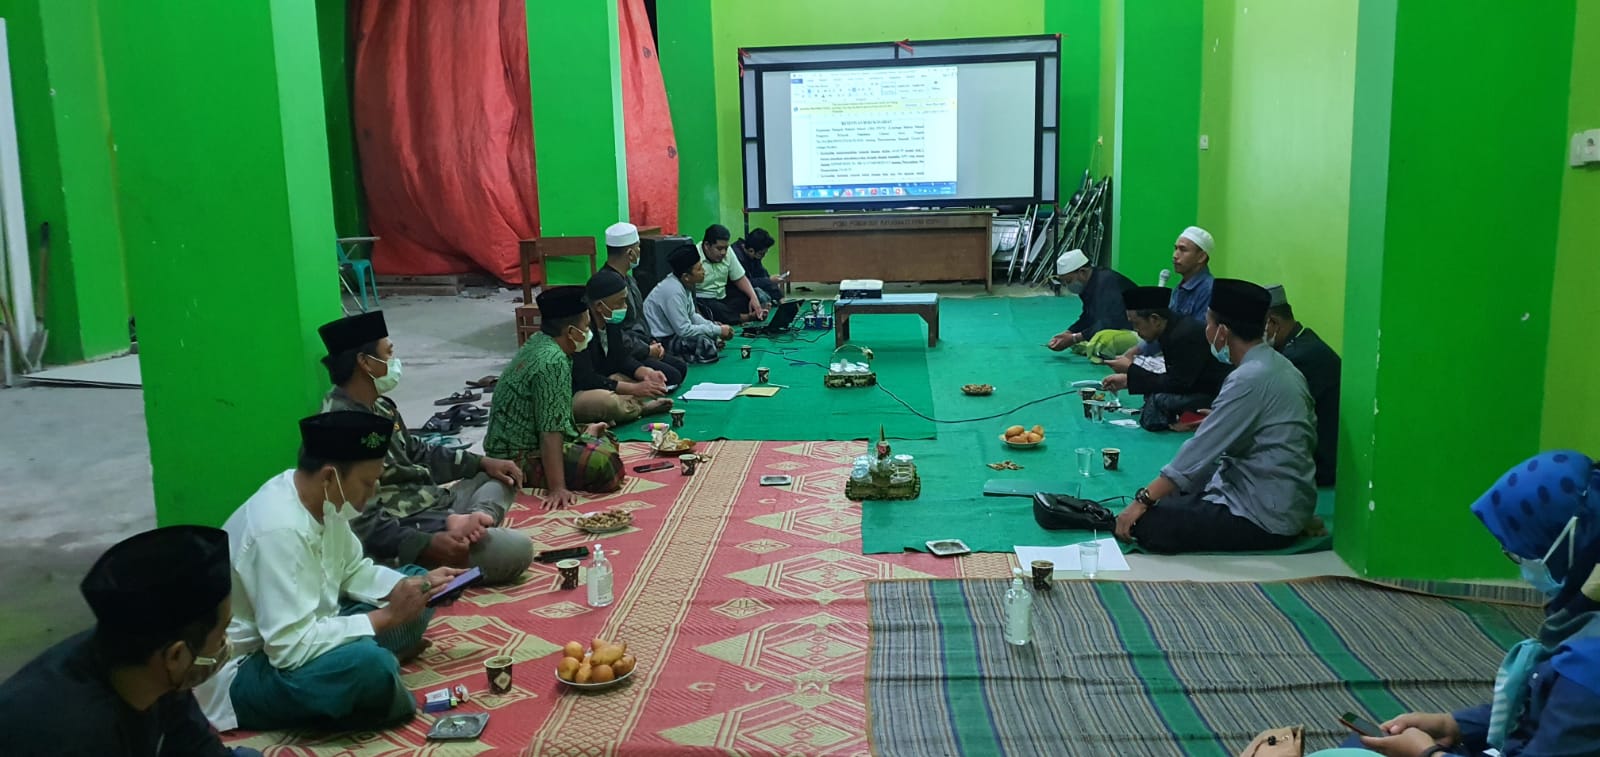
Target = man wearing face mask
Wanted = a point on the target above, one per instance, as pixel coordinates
(607, 383)
(415, 518)
(1101, 291)
(1246, 480)
(1186, 379)
(319, 630)
(725, 290)
(622, 257)
(1320, 365)
(1545, 512)
(160, 601)
(531, 421)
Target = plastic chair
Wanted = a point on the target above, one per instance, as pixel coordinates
(362, 268)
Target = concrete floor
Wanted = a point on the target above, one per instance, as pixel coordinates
(77, 472)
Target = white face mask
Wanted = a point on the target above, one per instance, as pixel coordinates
(388, 381)
(583, 344)
(340, 513)
(1221, 353)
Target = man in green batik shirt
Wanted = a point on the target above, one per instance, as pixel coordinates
(413, 519)
(531, 420)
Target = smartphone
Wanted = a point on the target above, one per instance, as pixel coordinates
(777, 480)
(1361, 725)
(456, 585)
(648, 467)
(557, 555)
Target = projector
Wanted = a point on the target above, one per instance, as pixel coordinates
(861, 289)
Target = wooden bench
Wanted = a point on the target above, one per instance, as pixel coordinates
(925, 305)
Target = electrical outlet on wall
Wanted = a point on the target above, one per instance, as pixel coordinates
(1586, 147)
(1205, 141)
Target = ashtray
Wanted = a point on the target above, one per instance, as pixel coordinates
(459, 727)
(948, 547)
(977, 390)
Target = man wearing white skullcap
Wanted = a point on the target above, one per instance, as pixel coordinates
(1101, 291)
(1191, 258)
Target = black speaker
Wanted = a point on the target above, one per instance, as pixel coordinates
(653, 266)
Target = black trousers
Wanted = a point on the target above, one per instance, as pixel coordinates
(1187, 523)
(728, 309)
(671, 366)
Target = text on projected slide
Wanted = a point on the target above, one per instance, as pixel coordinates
(873, 132)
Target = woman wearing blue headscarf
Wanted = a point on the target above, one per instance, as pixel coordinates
(1546, 514)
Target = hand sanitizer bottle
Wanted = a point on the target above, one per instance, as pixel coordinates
(600, 579)
(1019, 611)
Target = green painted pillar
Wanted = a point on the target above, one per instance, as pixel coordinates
(1455, 192)
(575, 69)
(349, 202)
(688, 66)
(222, 164)
(1078, 23)
(1157, 173)
(64, 135)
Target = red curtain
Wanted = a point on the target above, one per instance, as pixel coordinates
(442, 108)
(647, 123)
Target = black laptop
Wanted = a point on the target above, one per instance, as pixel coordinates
(781, 320)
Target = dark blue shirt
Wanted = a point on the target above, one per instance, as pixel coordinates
(1102, 304)
(1562, 720)
(1193, 297)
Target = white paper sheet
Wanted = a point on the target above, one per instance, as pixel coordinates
(1066, 558)
(714, 392)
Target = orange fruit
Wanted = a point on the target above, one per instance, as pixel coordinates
(573, 650)
(602, 674)
(624, 666)
(568, 668)
(584, 672)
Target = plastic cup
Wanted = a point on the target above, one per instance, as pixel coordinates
(569, 574)
(1085, 455)
(677, 418)
(762, 374)
(1110, 458)
(498, 669)
(744, 352)
(1089, 558)
(689, 462)
(1043, 573)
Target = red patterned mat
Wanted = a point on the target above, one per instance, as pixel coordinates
(744, 605)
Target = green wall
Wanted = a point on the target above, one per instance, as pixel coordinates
(688, 66)
(1078, 23)
(1433, 298)
(222, 182)
(64, 136)
(575, 71)
(1110, 53)
(1157, 132)
(1279, 88)
(1572, 395)
(344, 167)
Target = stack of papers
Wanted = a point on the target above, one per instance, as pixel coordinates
(1066, 558)
(714, 392)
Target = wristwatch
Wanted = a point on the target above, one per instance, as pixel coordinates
(1143, 497)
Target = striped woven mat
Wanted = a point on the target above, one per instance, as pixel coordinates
(1169, 668)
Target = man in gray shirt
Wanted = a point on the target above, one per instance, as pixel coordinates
(1246, 480)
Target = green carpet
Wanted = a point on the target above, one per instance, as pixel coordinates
(1136, 668)
(999, 341)
(806, 410)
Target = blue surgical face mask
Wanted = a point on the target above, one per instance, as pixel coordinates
(1221, 353)
(1537, 572)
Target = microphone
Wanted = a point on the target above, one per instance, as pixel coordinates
(1165, 274)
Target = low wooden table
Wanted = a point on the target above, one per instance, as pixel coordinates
(925, 305)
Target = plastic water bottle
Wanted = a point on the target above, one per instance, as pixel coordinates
(600, 579)
(1019, 611)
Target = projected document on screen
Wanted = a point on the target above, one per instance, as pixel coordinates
(874, 132)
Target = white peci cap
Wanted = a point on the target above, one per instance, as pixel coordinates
(1070, 261)
(622, 234)
(1200, 237)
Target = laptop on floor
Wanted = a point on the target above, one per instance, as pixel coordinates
(779, 322)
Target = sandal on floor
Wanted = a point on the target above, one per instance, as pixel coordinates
(445, 423)
(486, 383)
(467, 415)
(459, 398)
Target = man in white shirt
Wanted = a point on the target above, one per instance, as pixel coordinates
(317, 626)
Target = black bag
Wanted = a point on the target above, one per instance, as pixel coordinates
(1059, 512)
